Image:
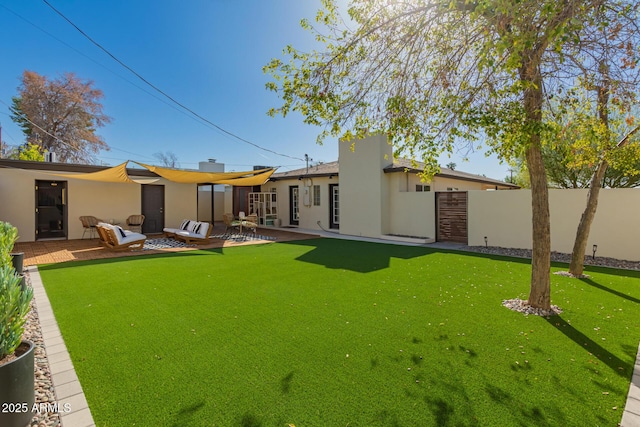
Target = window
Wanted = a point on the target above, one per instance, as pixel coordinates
(316, 195)
(420, 187)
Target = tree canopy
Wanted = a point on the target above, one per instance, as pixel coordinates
(61, 115)
(433, 73)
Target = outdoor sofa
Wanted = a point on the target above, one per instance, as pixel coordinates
(191, 232)
(117, 239)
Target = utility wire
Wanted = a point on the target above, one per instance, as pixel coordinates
(221, 129)
(99, 64)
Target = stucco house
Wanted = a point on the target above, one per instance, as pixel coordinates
(369, 193)
(45, 200)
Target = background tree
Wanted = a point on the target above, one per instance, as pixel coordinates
(604, 58)
(569, 167)
(26, 151)
(61, 115)
(429, 74)
(31, 152)
(518, 173)
(168, 159)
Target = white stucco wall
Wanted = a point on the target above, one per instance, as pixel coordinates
(364, 190)
(412, 214)
(505, 218)
(108, 201)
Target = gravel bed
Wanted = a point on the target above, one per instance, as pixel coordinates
(44, 391)
(556, 257)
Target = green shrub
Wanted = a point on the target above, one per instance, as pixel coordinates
(8, 237)
(14, 301)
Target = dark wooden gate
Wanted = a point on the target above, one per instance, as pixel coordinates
(451, 208)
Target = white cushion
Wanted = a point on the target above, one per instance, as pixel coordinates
(130, 237)
(202, 231)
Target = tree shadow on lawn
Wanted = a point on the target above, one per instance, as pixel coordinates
(186, 413)
(590, 282)
(616, 364)
(363, 257)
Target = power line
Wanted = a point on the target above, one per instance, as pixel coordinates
(221, 129)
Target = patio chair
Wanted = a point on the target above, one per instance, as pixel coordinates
(134, 223)
(230, 222)
(250, 222)
(115, 238)
(89, 224)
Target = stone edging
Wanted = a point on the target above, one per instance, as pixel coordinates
(58, 385)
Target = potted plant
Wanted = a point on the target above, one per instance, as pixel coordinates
(16, 355)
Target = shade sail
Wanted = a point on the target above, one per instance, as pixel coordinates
(119, 174)
(116, 174)
(256, 177)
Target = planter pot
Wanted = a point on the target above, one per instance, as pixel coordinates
(17, 394)
(23, 282)
(17, 258)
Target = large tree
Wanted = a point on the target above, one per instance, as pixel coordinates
(429, 73)
(61, 115)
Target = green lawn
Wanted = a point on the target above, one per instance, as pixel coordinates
(340, 333)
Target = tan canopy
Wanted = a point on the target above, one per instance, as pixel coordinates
(115, 174)
(119, 174)
(256, 177)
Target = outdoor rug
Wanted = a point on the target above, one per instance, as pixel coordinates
(164, 243)
(241, 237)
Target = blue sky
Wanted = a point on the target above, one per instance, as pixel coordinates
(206, 54)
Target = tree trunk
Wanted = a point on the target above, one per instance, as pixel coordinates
(576, 267)
(540, 292)
(582, 235)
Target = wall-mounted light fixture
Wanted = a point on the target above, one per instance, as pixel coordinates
(486, 242)
(299, 178)
(595, 248)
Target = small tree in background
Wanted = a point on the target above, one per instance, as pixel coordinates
(28, 151)
(61, 115)
(168, 159)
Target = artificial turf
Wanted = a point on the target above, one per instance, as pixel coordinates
(341, 333)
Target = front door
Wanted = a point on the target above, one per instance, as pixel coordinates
(294, 205)
(153, 208)
(334, 206)
(51, 210)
